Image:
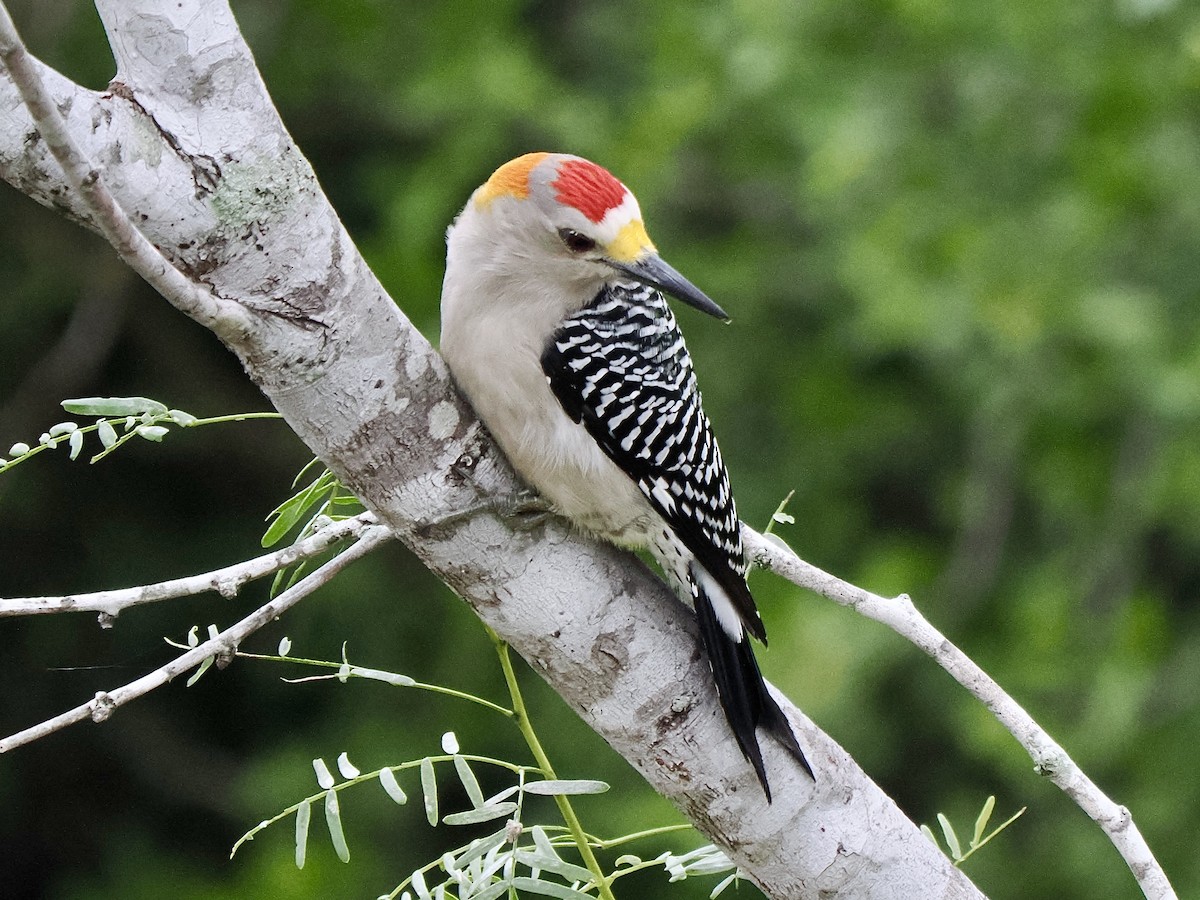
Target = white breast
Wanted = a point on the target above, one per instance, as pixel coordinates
(495, 325)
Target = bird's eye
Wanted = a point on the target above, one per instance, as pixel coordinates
(576, 242)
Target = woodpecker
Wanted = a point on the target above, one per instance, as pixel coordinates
(556, 328)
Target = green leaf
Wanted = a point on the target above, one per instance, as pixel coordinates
(469, 782)
(550, 888)
(152, 432)
(106, 433)
(196, 676)
(324, 776)
(181, 418)
(288, 513)
(333, 818)
(562, 787)
(541, 841)
(315, 461)
(114, 406)
(76, 441)
(720, 888)
(502, 795)
(555, 864)
(285, 579)
(393, 678)
(482, 813)
(951, 837)
(303, 817)
(418, 883)
(429, 788)
(497, 890)
(981, 823)
(347, 768)
(482, 846)
(387, 778)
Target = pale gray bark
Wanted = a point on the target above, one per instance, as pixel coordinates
(191, 147)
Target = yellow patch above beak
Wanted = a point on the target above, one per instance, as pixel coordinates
(630, 243)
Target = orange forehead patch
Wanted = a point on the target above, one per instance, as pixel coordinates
(511, 179)
(589, 188)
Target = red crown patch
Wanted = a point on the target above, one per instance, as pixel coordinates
(589, 188)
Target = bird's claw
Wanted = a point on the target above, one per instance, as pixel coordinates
(521, 511)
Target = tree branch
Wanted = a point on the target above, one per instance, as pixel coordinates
(222, 646)
(224, 318)
(227, 581)
(1049, 758)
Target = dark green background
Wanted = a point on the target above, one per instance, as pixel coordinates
(959, 244)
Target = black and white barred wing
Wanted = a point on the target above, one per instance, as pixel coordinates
(620, 367)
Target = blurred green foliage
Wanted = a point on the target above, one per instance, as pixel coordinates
(959, 242)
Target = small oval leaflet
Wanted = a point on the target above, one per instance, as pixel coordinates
(429, 788)
(982, 821)
(480, 814)
(324, 776)
(548, 888)
(347, 768)
(107, 434)
(469, 782)
(151, 432)
(418, 883)
(387, 778)
(76, 440)
(333, 818)
(563, 787)
(380, 675)
(303, 816)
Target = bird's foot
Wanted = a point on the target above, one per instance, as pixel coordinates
(523, 510)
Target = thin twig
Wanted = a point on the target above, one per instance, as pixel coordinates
(1050, 759)
(566, 810)
(222, 646)
(227, 581)
(226, 318)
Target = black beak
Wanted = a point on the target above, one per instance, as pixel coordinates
(651, 269)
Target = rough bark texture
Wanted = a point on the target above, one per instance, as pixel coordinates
(190, 144)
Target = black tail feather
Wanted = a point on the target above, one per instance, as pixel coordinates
(743, 693)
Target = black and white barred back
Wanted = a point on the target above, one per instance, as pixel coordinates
(620, 367)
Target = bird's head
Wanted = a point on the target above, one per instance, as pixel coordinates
(561, 218)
